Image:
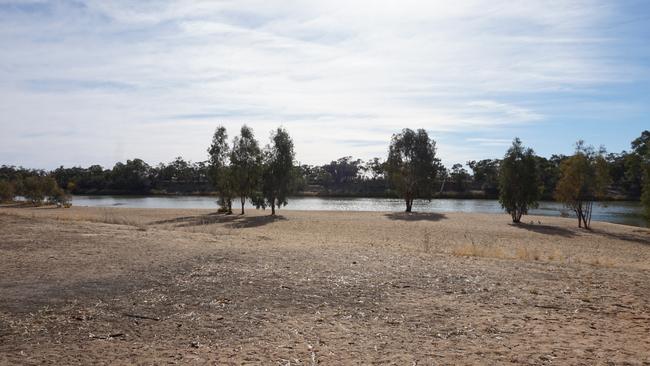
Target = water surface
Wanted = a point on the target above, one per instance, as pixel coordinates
(628, 213)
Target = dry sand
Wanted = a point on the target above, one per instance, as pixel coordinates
(137, 286)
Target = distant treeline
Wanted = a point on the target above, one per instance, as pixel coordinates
(345, 176)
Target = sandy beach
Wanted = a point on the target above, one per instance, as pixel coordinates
(144, 286)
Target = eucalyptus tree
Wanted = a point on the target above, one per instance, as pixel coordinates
(245, 164)
(519, 182)
(278, 173)
(641, 147)
(219, 171)
(584, 179)
(412, 165)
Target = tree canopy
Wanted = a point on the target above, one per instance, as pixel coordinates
(519, 183)
(245, 164)
(584, 179)
(219, 171)
(278, 174)
(412, 165)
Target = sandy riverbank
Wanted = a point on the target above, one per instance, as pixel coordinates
(114, 285)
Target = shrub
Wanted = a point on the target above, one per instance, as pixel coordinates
(59, 197)
(7, 191)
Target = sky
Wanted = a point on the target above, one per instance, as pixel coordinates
(96, 82)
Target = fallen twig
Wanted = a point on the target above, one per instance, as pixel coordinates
(141, 317)
(113, 335)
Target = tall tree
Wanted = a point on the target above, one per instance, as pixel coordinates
(459, 176)
(341, 172)
(412, 165)
(519, 183)
(134, 176)
(584, 179)
(486, 174)
(645, 197)
(245, 161)
(641, 147)
(277, 171)
(219, 172)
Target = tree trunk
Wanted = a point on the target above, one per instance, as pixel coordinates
(273, 208)
(243, 200)
(587, 215)
(409, 204)
(579, 213)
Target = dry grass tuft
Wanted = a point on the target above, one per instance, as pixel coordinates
(426, 242)
(111, 218)
(473, 250)
(556, 256)
(602, 262)
(527, 254)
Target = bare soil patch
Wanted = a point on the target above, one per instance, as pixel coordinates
(122, 286)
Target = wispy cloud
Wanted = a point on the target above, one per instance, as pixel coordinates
(349, 73)
(61, 86)
(489, 141)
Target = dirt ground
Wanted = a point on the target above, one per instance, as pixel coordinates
(138, 286)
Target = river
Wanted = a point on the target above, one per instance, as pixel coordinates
(628, 213)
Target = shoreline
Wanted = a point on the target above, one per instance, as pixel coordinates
(262, 212)
(50, 211)
(449, 196)
(627, 213)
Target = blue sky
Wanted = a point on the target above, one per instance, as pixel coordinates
(84, 82)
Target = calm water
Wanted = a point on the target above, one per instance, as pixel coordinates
(628, 213)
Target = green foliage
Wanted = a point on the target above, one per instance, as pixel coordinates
(36, 188)
(278, 174)
(376, 169)
(412, 165)
(645, 197)
(519, 183)
(486, 174)
(219, 171)
(584, 179)
(134, 176)
(641, 147)
(343, 171)
(59, 197)
(7, 191)
(459, 177)
(245, 164)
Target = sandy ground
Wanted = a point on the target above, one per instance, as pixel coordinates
(134, 286)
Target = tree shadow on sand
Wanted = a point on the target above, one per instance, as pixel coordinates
(545, 229)
(233, 221)
(415, 216)
(641, 239)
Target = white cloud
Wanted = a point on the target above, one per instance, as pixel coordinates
(329, 71)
